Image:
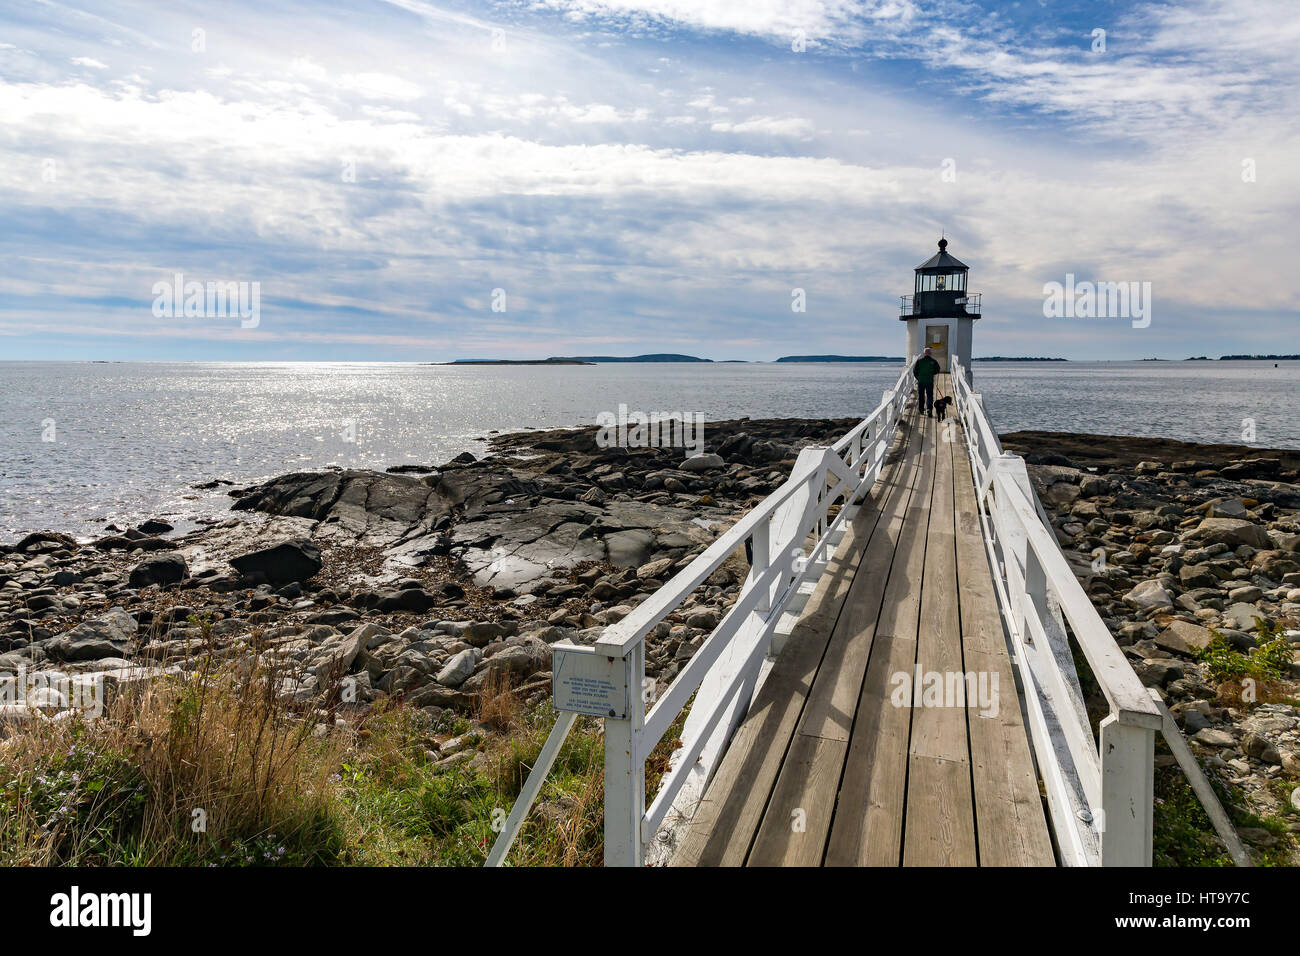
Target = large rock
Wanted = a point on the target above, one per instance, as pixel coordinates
(629, 549)
(288, 561)
(482, 633)
(458, 668)
(1233, 532)
(1197, 576)
(108, 635)
(702, 463)
(1183, 637)
(337, 657)
(1148, 594)
(523, 657)
(1242, 616)
(413, 600)
(1275, 564)
(162, 569)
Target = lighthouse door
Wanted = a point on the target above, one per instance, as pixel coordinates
(936, 340)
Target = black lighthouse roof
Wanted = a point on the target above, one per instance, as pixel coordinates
(941, 261)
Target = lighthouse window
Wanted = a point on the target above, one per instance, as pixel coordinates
(940, 282)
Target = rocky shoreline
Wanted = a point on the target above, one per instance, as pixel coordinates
(423, 584)
(432, 585)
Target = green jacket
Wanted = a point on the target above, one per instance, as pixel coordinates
(925, 370)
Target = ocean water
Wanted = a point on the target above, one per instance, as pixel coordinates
(85, 444)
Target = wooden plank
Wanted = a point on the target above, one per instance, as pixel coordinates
(794, 827)
(1010, 821)
(868, 825)
(806, 787)
(940, 818)
(722, 827)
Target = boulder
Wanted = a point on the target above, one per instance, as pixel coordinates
(458, 668)
(482, 633)
(706, 619)
(161, 569)
(1148, 594)
(655, 569)
(1183, 637)
(1227, 508)
(1233, 532)
(629, 549)
(1274, 564)
(522, 659)
(413, 600)
(1213, 737)
(294, 560)
(1197, 576)
(338, 657)
(108, 635)
(1242, 616)
(706, 462)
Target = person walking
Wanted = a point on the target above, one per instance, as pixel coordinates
(925, 369)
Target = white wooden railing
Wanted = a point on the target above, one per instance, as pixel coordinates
(722, 675)
(1099, 788)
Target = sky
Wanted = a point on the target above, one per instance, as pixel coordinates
(402, 180)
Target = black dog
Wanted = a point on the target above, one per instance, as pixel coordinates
(941, 407)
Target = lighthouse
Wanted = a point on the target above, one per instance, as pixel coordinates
(940, 312)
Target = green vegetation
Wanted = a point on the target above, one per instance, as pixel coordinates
(1265, 665)
(1182, 834)
(213, 768)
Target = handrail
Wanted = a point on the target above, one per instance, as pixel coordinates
(722, 674)
(1099, 790)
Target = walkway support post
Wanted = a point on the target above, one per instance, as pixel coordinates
(1127, 792)
(625, 766)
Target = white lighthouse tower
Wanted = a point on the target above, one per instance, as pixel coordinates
(940, 313)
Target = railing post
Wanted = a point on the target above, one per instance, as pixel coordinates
(1127, 793)
(625, 770)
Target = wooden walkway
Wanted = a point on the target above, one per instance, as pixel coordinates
(836, 764)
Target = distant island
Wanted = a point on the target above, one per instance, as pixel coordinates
(664, 357)
(549, 361)
(1258, 358)
(840, 358)
(657, 357)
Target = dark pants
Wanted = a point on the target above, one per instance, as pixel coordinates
(925, 396)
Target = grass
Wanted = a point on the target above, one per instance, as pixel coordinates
(1184, 836)
(406, 808)
(1249, 678)
(202, 769)
(214, 767)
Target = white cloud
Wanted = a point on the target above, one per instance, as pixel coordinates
(769, 125)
